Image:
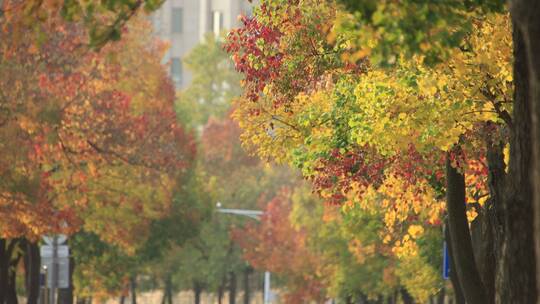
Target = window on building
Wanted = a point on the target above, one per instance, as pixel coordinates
(176, 71)
(217, 22)
(177, 19)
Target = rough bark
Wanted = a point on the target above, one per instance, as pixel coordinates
(232, 288)
(496, 181)
(482, 241)
(516, 264)
(460, 238)
(525, 17)
(32, 268)
(494, 215)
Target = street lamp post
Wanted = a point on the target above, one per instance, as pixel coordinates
(254, 214)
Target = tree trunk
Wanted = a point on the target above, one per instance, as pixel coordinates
(4, 262)
(458, 293)
(525, 17)
(516, 264)
(32, 270)
(8, 271)
(197, 290)
(406, 297)
(232, 288)
(482, 242)
(460, 237)
(133, 288)
(494, 212)
(247, 271)
(122, 299)
(220, 294)
(12, 292)
(167, 291)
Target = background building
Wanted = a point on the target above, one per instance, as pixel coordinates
(184, 23)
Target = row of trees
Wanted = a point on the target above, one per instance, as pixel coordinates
(93, 150)
(89, 148)
(403, 116)
(407, 115)
(212, 261)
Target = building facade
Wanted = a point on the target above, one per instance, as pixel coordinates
(184, 23)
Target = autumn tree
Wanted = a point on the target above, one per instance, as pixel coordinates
(335, 125)
(87, 143)
(523, 134)
(276, 246)
(102, 22)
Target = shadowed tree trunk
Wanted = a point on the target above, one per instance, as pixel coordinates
(460, 237)
(32, 269)
(133, 289)
(4, 274)
(525, 18)
(494, 215)
(221, 290)
(232, 288)
(459, 298)
(515, 274)
(12, 292)
(7, 271)
(482, 242)
(247, 272)
(167, 291)
(197, 290)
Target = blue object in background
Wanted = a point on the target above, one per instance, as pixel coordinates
(446, 262)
